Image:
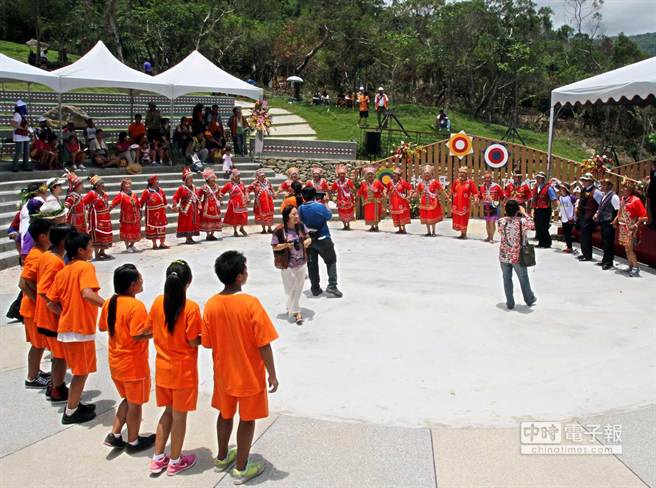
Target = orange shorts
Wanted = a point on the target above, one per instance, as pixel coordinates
(250, 407)
(181, 399)
(80, 357)
(55, 347)
(32, 335)
(136, 391)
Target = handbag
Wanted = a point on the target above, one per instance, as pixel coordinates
(526, 250)
(281, 258)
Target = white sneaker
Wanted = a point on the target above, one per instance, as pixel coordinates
(81, 166)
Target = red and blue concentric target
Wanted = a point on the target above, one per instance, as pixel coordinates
(496, 156)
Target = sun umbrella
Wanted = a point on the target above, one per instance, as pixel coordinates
(34, 42)
(295, 79)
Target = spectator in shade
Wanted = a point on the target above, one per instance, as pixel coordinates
(90, 136)
(75, 152)
(609, 204)
(566, 207)
(43, 152)
(69, 130)
(153, 123)
(101, 155)
(43, 127)
(443, 122)
(136, 130)
(198, 125)
(238, 126)
(182, 136)
(124, 148)
(381, 104)
(21, 136)
(513, 230)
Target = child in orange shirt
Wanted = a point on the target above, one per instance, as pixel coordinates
(36, 378)
(175, 322)
(125, 318)
(50, 263)
(73, 296)
(238, 330)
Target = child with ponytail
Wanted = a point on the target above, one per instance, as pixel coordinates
(124, 317)
(175, 322)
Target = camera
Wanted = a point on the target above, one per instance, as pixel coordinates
(297, 244)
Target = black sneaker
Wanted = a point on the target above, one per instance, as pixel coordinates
(143, 443)
(89, 407)
(316, 291)
(37, 383)
(114, 442)
(45, 375)
(332, 290)
(80, 416)
(58, 394)
(49, 390)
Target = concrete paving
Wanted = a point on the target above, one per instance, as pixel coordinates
(418, 367)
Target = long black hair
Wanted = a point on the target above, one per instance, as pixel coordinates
(285, 219)
(124, 276)
(178, 276)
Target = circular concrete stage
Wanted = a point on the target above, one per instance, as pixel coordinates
(422, 336)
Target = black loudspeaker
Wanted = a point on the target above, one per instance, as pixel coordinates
(372, 143)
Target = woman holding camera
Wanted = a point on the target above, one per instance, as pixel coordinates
(290, 241)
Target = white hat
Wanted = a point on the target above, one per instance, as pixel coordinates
(50, 182)
(362, 88)
(43, 119)
(20, 103)
(380, 88)
(51, 210)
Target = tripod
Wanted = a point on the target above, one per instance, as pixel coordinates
(390, 115)
(511, 133)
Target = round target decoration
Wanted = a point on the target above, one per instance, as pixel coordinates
(460, 144)
(496, 156)
(385, 175)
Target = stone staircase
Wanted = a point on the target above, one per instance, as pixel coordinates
(169, 178)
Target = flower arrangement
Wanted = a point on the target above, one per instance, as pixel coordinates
(597, 165)
(406, 151)
(259, 119)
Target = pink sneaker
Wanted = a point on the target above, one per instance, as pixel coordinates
(156, 467)
(186, 462)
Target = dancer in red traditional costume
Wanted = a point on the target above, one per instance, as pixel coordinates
(293, 174)
(371, 192)
(344, 190)
(518, 190)
(319, 183)
(77, 216)
(263, 204)
(130, 219)
(100, 222)
(399, 191)
(490, 195)
(237, 213)
(430, 209)
(210, 206)
(154, 201)
(185, 201)
(462, 190)
(631, 216)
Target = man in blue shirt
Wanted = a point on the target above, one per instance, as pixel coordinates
(315, 216)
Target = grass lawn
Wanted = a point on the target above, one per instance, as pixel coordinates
(338, 124)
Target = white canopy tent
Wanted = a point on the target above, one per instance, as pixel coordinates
(99, 68)
(10, 69)
(636, 80)
(196, 73)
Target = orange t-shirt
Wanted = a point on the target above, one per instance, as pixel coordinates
(48, 266)
(176, 364)
(128, 357)
(136, 130)
(78, 315)
(363, 100)
(235, 327)
(29, 274)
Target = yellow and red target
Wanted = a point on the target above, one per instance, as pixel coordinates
(460, 144)
(384, 175)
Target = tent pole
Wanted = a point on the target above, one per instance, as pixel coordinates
(61, 122)
(29, 96)
(131, 93)
(550, 140)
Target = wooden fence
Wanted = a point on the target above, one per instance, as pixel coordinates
(527, 160)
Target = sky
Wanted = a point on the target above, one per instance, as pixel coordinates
(628, 16)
